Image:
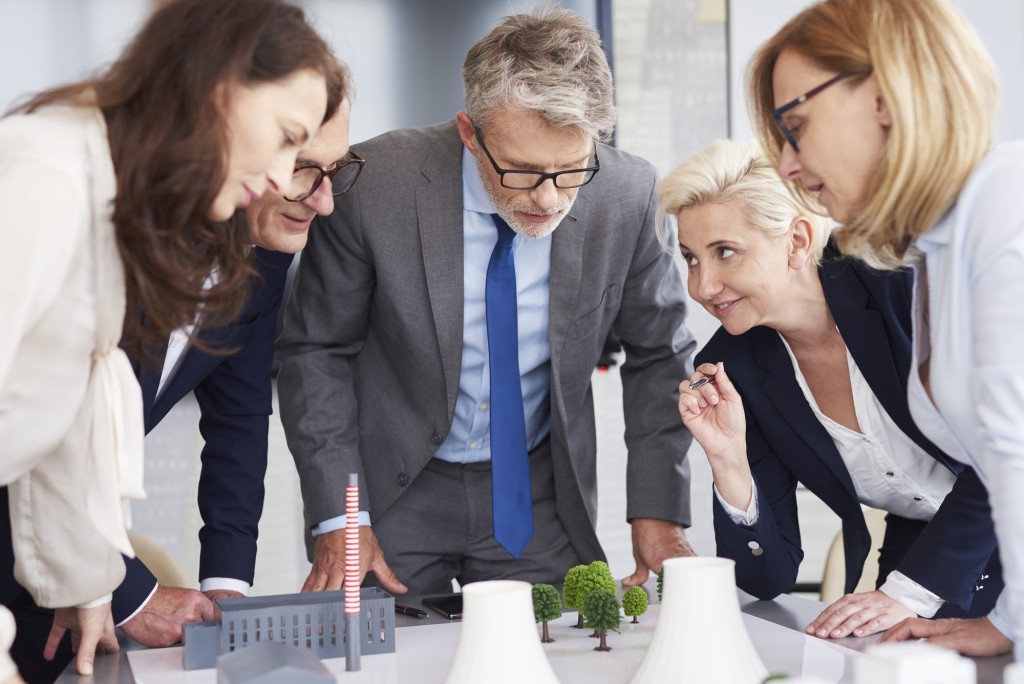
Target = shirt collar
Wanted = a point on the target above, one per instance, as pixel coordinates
(940, 234)
(474, 197)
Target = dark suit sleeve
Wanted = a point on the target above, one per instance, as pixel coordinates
(770, 567)
(235, 401)
(955, 547)
(651, 328)
(138, 584)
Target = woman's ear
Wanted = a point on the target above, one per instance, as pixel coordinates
(801, 242)
(882, 113)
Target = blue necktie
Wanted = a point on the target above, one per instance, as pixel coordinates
(510, 466)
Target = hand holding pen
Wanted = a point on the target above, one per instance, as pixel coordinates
(712, 410)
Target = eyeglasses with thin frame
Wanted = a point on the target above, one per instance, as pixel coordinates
(788, 134)
(514, 179)
(342, 177)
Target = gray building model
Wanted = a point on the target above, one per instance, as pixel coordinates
(311, 621)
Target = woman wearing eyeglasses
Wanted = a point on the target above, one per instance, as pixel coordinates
(804, 383)
(883, 111)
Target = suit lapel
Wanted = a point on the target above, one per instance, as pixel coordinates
(439, 214)
(566, 275)
(149, 381)
(862, 328)
(194, 366)
(780, 386)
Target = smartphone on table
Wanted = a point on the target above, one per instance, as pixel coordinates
(448, 605)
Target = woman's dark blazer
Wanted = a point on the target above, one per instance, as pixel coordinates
(786, 444)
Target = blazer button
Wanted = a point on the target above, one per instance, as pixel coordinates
(755, 548)
(402, 479)
(437, 438)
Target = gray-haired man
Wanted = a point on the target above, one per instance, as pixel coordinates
(443, 333)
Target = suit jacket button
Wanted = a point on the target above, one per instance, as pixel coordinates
(437, 438)
(755, 548)
(402, 479)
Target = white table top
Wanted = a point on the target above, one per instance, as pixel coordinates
(424, 654)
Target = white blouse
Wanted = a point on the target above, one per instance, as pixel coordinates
(70, 406)
(888, 469)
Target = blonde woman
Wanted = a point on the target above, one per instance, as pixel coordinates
(883, 111)
(805, 383)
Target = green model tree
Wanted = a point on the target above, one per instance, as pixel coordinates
(596, 577)
(571, 595)
(602, 611)
(580, 581)
(661, 583)
(546, 606)
(634, 603)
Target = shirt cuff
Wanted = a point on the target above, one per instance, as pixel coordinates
(97, 602)
(747, 517)
(1000, 619)
(141, 606)
(340, 522)
(901, 588)
(225, 583)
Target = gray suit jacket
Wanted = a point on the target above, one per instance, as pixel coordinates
(372, 342)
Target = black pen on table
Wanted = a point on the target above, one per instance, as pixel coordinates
(411, 612)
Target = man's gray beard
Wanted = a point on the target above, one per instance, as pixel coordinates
(506, 209)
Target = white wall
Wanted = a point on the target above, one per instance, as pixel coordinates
(44, 43)
(1000, 23)
(406, 54)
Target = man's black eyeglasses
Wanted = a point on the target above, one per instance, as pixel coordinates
(528, 180)
(306, 179)
(789, 135)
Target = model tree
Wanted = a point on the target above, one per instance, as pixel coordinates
(634, 603)
(546, 606)
(571, 595)
(661, 583)
(602, 611)
(602, 575)
(596, 577)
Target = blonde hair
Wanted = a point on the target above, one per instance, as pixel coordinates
(939, 85)
(728, 172)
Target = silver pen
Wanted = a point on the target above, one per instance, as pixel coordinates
(701, 381)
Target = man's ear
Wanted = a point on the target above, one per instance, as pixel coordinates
(466, 132)
(801, 242)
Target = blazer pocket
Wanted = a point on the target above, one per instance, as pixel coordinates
(588, 324)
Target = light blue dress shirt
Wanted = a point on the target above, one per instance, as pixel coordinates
(469, 440)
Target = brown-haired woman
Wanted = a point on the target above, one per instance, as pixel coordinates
(115, 195)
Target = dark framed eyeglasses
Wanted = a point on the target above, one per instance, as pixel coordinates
(777, 114)
(514, 179)
(306, 179)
